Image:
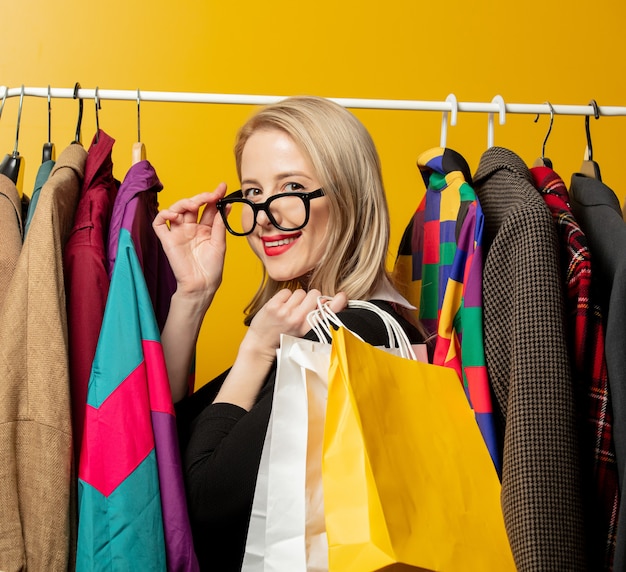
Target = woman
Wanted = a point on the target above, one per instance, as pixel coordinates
(301, 156)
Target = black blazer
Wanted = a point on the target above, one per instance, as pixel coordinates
(597, 210)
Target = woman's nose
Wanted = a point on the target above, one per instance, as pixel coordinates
(262, 219)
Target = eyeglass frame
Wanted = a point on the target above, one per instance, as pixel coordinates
(237, 197)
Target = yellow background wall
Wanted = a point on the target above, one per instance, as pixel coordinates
(400, 49)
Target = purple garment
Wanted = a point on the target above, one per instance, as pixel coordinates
(135, 207)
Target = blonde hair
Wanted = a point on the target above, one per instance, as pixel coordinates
(348, 167)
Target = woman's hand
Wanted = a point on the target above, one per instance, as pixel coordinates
(195, 244)
(284, 313)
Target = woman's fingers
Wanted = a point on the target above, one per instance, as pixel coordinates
(211, 219)
(338, 302)
(187, 210)
(210, 200)
(297, 301)
(196, 214)
(298, 305)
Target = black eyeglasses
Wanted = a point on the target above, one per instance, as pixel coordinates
(286, 211)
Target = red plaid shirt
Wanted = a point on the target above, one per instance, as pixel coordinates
(586, 331)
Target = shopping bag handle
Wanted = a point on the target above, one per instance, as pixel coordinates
(323, 318)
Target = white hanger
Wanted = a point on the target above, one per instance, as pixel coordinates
(502, 117)
(454, 110)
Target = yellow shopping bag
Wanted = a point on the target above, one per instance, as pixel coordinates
(408, 481)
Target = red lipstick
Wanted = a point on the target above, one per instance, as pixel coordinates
(278, 243)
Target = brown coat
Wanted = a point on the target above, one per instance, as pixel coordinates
(11, 230)
(35, 424)
(528, 365)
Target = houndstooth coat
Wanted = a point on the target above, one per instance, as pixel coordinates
(529, 369)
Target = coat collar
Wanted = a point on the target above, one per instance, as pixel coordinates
(592, 192)
(497, 159)
(444, 161)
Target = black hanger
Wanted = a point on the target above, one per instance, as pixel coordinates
(10, 165)
(543, 161)
(589, 167)
(139, 149)
(48, 153)
(96, 99)
(80, 114)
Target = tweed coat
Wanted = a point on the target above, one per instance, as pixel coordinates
(35, 421)
(11, 231)
(598, 212)
(529, 369)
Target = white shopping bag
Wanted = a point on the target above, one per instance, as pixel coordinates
(287, 530)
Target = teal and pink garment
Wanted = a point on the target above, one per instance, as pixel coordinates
(440, 264)
(131, 502)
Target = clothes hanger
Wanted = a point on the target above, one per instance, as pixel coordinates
(48, 152)
(96, 99)
(10, 165)
(502, 119)
(139, 149)
(589, 167)
(451, 99)
(77, 138)
(543, 161)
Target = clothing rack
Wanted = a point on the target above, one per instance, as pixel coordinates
(451, 105)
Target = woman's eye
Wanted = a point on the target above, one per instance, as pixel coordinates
(251, 193)
(294, 187)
